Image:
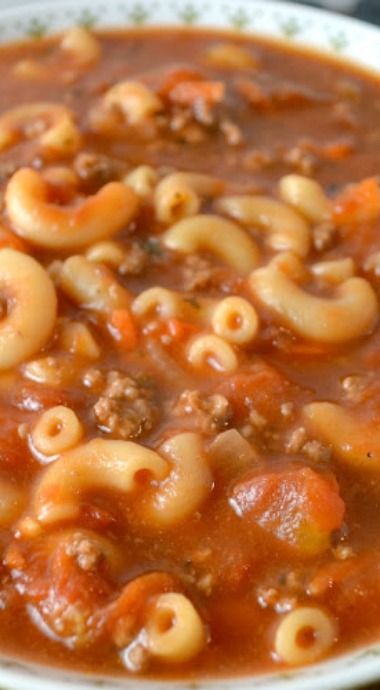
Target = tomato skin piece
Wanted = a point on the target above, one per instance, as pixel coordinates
(128, 613)
(299, 507)
(262, 386)
(359, 203)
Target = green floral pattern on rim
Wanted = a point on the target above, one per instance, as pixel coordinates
(242, 15)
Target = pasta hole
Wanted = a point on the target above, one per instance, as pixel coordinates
(306, 637)
(178, 207)
(55, 427)
(4, 308)
(235, 322)
(143, 478)
(165, 621)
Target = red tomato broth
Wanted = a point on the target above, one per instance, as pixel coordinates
(241, 578)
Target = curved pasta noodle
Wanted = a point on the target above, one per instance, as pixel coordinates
(306, 619)
(57, 430)
(220, 237)
(106, 252)
(214, 351)
(184, 489)
(209, 350)
(234, 319)
(335, 271)
(354, 441)
(306, 196)
(179, 195)
(49, 225)
(81, 44)
(12, 502)
(135, 100)
(160, 301)
(99, 464)
(165, 304)
(31, 303)
(63, 179)
(92, 285)
(350, 314)
(143, 180)
(174, 632)
(52, 371)
(59, 131)
(76, 337)
(287, 230)
(230, 56)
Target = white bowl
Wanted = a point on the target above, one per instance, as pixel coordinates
(339, 36)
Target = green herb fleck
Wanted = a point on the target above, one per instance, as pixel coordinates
(192, 301)
(152, 246)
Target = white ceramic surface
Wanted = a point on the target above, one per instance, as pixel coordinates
(340, 36)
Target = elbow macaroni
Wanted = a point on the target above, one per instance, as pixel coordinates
(179, 195)
(306, 196)
(51, 226)
(92, 286)
(99, 464)
(350, 314)
(81, 45)
(213, 351)
(354, 441)
(59, 134)
(174, 632)
(31, 307)
(76, 338)
(308, 620)
(143, 180)
(184, 489)
(235, 320)
(158, 301)
(222, 238)
(56, 431)
(134, 100)
(287, 230)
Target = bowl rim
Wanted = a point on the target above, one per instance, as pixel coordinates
(35, 18)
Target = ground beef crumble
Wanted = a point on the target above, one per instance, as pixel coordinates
(95, 170)
(198, 273)
(126, 407)
(210, 413)
(86, 552)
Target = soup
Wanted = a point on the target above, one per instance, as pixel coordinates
(189, 344)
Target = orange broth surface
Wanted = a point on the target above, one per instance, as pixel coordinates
(239, 557)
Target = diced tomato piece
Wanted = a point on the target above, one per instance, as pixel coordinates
(179, 330)
(67, 596)
(189, 92)
(123, 329)
(262, 387)
(127, 614)
(359, 203)
(177, 76)
(345, 585)
(338, 151)
(297, 506)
